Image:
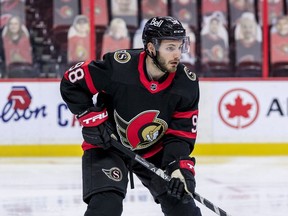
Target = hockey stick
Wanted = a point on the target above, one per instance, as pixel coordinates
(164, 176)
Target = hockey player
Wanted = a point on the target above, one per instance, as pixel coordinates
(149, 100)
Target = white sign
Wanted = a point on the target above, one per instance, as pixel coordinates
(34, 113)
(229, 112)
(243, 111)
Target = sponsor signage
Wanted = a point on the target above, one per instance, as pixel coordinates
(243, 111)
(34, 113)
(229, 112)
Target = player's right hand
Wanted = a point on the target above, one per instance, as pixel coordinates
(98, 135)
(96, 129)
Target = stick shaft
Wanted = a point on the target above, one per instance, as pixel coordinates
(164, 176)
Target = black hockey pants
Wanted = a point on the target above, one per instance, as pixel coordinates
(105, 179)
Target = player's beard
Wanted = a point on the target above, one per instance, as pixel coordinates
(166, 65)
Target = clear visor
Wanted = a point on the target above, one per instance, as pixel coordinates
(185, 46)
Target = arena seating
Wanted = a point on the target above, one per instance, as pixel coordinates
(48, 23)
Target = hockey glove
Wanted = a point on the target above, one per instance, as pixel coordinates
(182, 183)
(96, 129)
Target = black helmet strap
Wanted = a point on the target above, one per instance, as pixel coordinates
(154, 58)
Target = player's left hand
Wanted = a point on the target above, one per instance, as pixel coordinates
(182, 185)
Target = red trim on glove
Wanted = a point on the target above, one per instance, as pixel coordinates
(86, 146)
(187, 164)
(154, 150)
(93, 118)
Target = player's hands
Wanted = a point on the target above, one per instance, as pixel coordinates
(96, 129)
(98, 135)
(182, 184)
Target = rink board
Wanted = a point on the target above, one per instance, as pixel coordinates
(234, 149)
(242, 117)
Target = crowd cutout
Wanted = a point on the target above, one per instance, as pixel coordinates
(226, 40)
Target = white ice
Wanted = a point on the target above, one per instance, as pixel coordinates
(250, 186)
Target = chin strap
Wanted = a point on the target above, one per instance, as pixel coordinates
(155, 61)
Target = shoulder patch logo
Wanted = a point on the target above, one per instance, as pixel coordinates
(122, 56)
(190, 74)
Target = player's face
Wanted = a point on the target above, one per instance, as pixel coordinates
(170, 54)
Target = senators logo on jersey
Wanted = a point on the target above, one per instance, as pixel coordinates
(190, 74)
(122, 56)
(142, 131)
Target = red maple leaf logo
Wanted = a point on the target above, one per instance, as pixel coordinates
(238, 109)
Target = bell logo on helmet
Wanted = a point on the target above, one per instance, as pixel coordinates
(156, 23)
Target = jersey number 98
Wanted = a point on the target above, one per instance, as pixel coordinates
(76, 73)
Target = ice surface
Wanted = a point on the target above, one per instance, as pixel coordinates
(250, 186)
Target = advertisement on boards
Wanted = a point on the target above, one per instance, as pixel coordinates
(243, 111)
(34, 113)
(229, 112)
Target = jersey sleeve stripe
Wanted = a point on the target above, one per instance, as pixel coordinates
(187, 114)
(179, 133)
(88, 79)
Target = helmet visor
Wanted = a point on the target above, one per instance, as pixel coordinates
(185, 46)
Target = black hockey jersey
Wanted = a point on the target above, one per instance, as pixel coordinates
(149, 115)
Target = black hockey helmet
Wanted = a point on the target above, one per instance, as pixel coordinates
(164, 28)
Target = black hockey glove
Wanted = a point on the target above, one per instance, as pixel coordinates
(96, 129)
(182, 185)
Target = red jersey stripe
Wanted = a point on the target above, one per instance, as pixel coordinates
(187, 114)
(157, 148)
(88, 79)
(178, 133)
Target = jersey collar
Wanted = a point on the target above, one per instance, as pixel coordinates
(152, 86)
